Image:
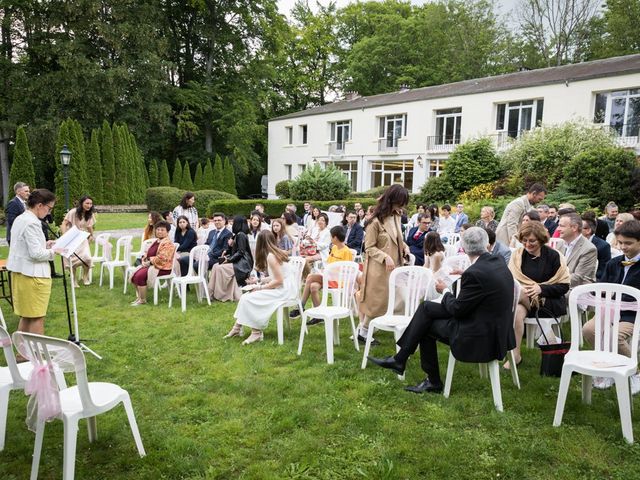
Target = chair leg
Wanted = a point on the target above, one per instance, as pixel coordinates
(280, 324)
(482, 367)
(134, 425)
(92, 428)
(514, 369)
(37, 450)
(396, 335)
(367, 345)
(303, 329)
(494, 374)
(449, 378)
(563, 389)
(112, 273)
(90, 275)
(531, 332)
(156, 284)
(171, 286)
(4, 410)
(70, 440)
(336, 332)
(183, 295)
(624, 404)
(205, 289)
(587, 384)
(101, 271)
(354, 332)
(328, 334)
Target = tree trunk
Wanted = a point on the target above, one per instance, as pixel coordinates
(208, 136)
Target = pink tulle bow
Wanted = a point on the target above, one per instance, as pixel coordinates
(42, 385)
(5, 342)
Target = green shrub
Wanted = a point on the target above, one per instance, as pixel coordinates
(482, 191)
(274, 208)
(167, 198)
(472, 208)
(22, 163)
(603, 173)
(471, 164)
(320, 183)
(282, 189)
(371, 193)
(436, 190)
(561, 194)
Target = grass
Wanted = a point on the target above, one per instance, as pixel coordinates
(209, 408)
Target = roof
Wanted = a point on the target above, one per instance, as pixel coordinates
(544, 76)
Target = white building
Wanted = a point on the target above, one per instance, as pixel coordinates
(406, 136)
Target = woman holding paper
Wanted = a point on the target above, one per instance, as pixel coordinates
(28, 262)
(83, 218)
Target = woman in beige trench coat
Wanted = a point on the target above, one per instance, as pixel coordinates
(385, 248)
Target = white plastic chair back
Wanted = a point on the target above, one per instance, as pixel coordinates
(9, 355)
(199, 254)
(344, 274)
(123, 249)
(453, 239)
(556, 243)
(412, 283)
(354, 253)
(412, 260)
(144, 247)
(456, 262)
(297, 265)
(102, 248)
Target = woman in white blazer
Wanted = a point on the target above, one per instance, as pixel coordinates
(28, 262)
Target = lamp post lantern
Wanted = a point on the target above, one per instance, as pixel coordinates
(65, 158)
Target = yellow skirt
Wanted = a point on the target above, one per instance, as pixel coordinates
(30, 295)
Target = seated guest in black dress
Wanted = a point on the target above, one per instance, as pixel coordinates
(543, 275)
(187, 238)
(477, 324)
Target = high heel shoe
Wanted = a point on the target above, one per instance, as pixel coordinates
(256, 336)
(236, 331)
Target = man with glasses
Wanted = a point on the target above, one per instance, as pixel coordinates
(354, 232)
(415, 239)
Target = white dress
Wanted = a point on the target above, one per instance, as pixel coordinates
(255, 309)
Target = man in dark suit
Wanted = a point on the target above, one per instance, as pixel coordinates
(415, 238)
(604, 249)
(549, 223)
(16, 206)
(354, 232)
(218, 239)
(477, 324)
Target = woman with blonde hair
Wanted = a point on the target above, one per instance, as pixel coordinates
(487, 218)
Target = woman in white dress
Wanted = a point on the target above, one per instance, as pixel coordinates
(83, 217)
(256, 307)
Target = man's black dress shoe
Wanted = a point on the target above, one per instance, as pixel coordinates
(388, 362)
(425, 386)
(363, 340)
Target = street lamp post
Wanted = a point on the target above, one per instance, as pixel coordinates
(65, 158)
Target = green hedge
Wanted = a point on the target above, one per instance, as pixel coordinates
(167, 198)
(274, 208)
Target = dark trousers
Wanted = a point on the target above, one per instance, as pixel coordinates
(429, 324)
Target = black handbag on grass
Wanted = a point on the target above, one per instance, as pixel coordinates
(552, 355)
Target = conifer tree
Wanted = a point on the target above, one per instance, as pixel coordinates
(22, 166)
(197, 182)
(176, 178)
(163, 174)
(207, 176)
(78, 165)
(108, 164)
(218, 174)
(153, 173)
(122, 167)
(186, 183)
(67, 135)
(94, 169)
(229, 177)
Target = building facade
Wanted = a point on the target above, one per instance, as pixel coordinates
(407, 136)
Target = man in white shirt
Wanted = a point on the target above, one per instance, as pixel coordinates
(581, 254)
(447, 224)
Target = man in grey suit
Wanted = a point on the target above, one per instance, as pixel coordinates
(16, 206)
(581, 254)
(513, 213)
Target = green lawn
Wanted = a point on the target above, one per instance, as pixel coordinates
(210, 408)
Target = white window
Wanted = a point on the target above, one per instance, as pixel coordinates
(303, 134)
(287, 169)
(448, 125)
(620, 110)
(350, 169)
(340, 133)
(517, 117)
(390, 129)
(302, 167)
(289, 135)
(435, 167)
(388, 172)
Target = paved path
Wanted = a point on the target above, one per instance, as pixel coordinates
(136, 232)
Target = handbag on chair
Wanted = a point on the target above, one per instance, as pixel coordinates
(552, 355)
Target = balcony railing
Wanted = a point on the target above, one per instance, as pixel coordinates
(388, 145)
(631, 137)
(336, 148)
(442, 143)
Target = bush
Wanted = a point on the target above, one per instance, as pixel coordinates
(436, 190)
(282, 189)
(274, 208)
(472, 163)
(166, 198)
(320, 183)
(472, 208)
(603, 173)
(371, 193)
(479, 192)
(561, 194)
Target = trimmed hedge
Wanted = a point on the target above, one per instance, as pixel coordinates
(167, 198)
(274, 208)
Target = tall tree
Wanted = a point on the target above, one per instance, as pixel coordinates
(207, 176)
(22, 165)
(229, 177)
(122, 165)
(185, 182)
(153, 173)
(108, 164)
(176, 178)
(218, 174)
(67, 135)
(197, 182)
(94, 169)
(163, 174)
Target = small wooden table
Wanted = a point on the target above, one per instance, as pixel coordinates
(5, 283)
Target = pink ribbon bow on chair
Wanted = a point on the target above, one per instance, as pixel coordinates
(44, 391)
(5, 342)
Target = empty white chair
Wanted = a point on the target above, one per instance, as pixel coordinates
(129, 271)
(604, 360)
(298, 264)
(175, 272)
(198, 254)
(137, 254)
(409, 285)
(101, 252)
(121, 260)
(12, 377)
(344, 275)
(83, 400)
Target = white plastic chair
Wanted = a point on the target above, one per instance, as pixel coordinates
(604, 361)
(101, 252)
(142, 251)
(12, 377)
(413, 284)
(83, 400)
(456, 262)
(121, 260)
(297, 263)
(492, 369)
(344, 274)
(412, 260)
(175, 272)
(556, 243)
(198, 254)
(129, 271)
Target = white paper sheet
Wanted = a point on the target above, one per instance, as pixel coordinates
(70, 241)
